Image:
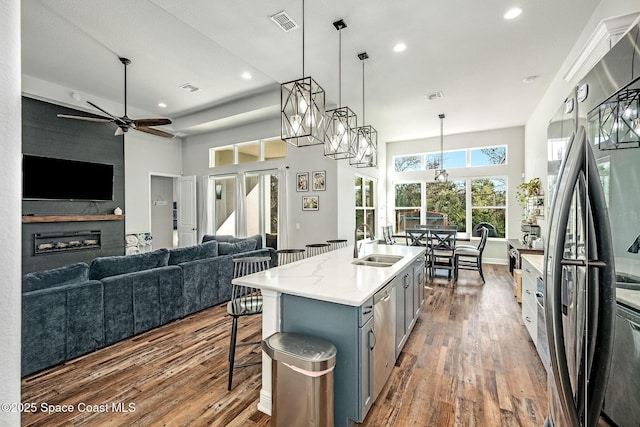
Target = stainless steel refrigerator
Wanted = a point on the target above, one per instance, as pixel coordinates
(590, 254)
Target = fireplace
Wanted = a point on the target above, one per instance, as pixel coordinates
(55, 242)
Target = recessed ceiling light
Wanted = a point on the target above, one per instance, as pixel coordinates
(513, 13)
(76, 96)
(399, 47)
(162, 105)
(246, 75)
(529, 79)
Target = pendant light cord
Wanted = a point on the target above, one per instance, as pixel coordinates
(442, 143)
(363, 121)
(340, 69)
(303, 38)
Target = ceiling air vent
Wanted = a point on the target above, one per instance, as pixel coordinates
(284, 21)
(434, 96)
(189, 87)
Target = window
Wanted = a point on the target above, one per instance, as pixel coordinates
(488, 205)
(365, 206)
(446, 203)
(407, 163)
(451, 160)
(489, 156)
(222, 156)
(247, 152)
(408, 200)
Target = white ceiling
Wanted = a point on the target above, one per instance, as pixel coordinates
(461, 47)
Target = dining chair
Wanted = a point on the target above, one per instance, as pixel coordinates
(441, 251)
(416, 236)
(245, 301)
(469, 257)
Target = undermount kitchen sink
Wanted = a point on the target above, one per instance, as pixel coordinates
(377, 260)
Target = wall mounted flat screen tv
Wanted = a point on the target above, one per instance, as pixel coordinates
(48, 178)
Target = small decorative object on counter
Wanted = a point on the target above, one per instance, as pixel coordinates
(117, 211)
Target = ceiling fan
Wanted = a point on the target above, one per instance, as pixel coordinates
(125, 123)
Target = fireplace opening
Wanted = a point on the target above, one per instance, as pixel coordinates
(46, 243)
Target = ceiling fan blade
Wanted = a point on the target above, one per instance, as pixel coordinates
(115, 118)
(87, 119)
(151, 122)
(154, 131)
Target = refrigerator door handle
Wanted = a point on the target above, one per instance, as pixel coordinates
(583, 263)
(567, 181)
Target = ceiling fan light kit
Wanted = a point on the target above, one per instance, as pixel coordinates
(124, 123)
(441, 174)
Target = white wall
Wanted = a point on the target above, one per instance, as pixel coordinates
(513, 138)
(10, 208)
(145, 155)
(336, 215)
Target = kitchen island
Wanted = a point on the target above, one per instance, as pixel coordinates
(329, 297)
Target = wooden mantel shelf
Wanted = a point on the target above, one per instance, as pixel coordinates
(71, 218)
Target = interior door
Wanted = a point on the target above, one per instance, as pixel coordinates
(187, 212)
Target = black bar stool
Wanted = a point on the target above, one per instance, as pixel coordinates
(245, 301)
(314, 249)
(337, 244)
(285, 256)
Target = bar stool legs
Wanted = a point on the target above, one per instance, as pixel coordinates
(245, 301)
(285, 256)
(314, 249)
(337, 244)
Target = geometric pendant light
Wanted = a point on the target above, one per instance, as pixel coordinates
(441, 174)
(302, 108)
(366, 143)
(340, 134)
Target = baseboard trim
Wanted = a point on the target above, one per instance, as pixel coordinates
(264, 405)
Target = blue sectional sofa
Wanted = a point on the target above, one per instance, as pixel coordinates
(76, 309)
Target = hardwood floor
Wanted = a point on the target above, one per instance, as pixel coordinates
(468, 362)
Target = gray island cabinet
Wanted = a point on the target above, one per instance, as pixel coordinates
(329, 297)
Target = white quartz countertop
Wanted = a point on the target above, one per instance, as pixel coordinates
(332, 277)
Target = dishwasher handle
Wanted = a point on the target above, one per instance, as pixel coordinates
(372, 337)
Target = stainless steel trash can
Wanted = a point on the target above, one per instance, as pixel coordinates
(301, 380)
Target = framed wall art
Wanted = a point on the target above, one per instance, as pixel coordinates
(318, 179)
(302, 181)
(310, 203)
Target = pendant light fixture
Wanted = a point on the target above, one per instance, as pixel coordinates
(441, 174)
(302, 107)
(342, 122)
(365, 150)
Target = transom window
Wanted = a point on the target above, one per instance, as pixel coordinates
(247, 152)
(472, 157)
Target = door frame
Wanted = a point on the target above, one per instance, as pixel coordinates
(150, 201)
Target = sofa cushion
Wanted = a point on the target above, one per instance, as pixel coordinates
(219, 238)
(257, 238)
(192, 253)
(115, 265)
(69, 274)
(225, 248)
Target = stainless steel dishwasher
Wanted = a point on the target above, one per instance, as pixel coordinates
(384, 330)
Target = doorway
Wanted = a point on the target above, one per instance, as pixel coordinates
(163, 212)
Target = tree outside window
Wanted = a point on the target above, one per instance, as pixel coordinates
(365, 209)
(488, 205)
(447, 198)
(408, 200)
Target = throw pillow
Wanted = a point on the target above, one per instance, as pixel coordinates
(236, 247)
(257, 238)
(219, 238)
(193, 253)
(114, 265)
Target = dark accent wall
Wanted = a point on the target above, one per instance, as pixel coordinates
(44, 134)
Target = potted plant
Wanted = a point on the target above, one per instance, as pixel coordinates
(528, 189)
